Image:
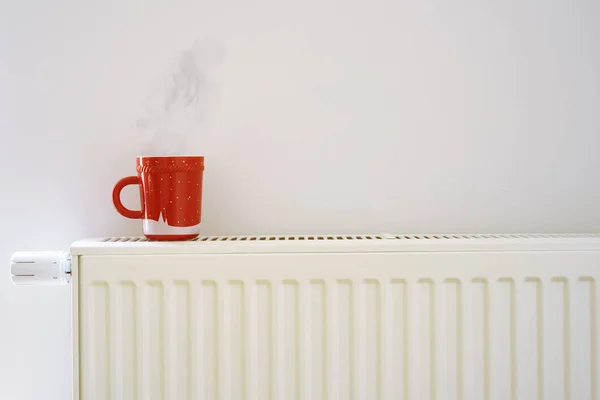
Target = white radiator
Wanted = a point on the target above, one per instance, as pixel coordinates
(464, 317)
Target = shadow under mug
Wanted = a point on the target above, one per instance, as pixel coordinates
(170, 195)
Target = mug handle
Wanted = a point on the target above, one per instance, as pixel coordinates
(130, 180)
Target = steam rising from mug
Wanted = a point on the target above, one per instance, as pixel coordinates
(170, 124)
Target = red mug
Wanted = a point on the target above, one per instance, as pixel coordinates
(170, 193)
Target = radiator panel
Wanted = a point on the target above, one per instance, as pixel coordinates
(473, 325)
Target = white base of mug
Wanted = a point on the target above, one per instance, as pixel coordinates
(152, 227)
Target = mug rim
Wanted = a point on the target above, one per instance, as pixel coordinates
(169, 156)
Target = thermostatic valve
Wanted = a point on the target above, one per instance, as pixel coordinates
(40, 268)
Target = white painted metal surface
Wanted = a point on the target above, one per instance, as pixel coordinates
(385, 317)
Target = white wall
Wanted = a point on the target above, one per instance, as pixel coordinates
(323, 115)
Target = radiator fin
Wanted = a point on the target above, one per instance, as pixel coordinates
(153, 341)
(556, 339)
(210, 332)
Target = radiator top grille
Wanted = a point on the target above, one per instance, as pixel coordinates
(385, 242)
(375, 237)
